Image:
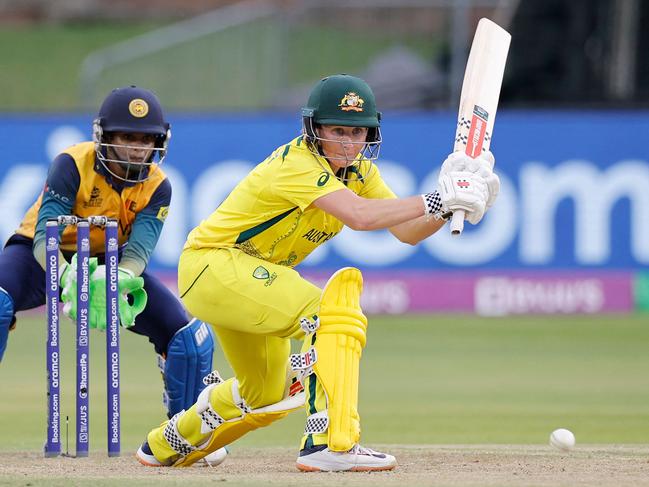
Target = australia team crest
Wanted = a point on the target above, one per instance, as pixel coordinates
(351, 102)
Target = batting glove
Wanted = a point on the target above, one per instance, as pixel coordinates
(482, 165)
(463, 190)
(460, 161)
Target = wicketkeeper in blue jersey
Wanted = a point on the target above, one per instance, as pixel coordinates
(117, 175)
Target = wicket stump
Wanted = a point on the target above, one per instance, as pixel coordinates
(53, 442)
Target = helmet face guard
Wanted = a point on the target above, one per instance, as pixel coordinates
(347, 101)
(130, 110)
(133, 171)
(349, 162)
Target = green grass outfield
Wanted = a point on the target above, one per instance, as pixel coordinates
(424, 380)
(40, 64)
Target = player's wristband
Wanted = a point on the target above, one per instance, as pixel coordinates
(433, 206)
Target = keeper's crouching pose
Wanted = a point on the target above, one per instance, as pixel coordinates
(117, 175)
(236, 272)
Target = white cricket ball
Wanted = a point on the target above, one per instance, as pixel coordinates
(562, 439)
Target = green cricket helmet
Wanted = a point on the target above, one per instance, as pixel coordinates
(347, 101)
(342, 100)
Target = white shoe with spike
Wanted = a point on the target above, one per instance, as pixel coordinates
(358, 459)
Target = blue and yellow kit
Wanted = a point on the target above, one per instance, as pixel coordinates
(77, 185)
(118, 176)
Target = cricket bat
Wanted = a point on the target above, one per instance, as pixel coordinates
(483, 78)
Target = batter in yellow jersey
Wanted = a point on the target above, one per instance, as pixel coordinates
(271, 214)
(236, 273)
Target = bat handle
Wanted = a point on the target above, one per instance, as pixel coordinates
(457, 222)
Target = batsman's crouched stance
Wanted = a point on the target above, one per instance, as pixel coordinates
(236, 272)
(264, 314)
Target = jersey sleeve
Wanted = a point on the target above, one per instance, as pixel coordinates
(146, 230)
(374, 186)
(301, 181)
(59, 195)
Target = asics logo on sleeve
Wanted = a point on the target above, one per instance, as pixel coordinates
(322, 180)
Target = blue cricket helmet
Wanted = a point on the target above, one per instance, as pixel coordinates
(130, 110)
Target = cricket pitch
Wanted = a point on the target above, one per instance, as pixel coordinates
(420, 465)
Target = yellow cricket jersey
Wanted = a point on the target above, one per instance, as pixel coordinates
(95, 196)
(269, 214)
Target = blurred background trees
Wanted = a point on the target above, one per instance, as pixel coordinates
(232, 55)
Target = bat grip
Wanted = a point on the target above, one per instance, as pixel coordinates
(457, 222)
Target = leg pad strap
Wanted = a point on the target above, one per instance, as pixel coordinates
(176, 441)
(309, 325)
(317, 423)
(210, 419)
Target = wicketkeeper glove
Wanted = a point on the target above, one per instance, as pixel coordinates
(132, 297)
(68, 284)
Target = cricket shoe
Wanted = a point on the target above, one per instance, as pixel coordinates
(359, 459)
(145, 456)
